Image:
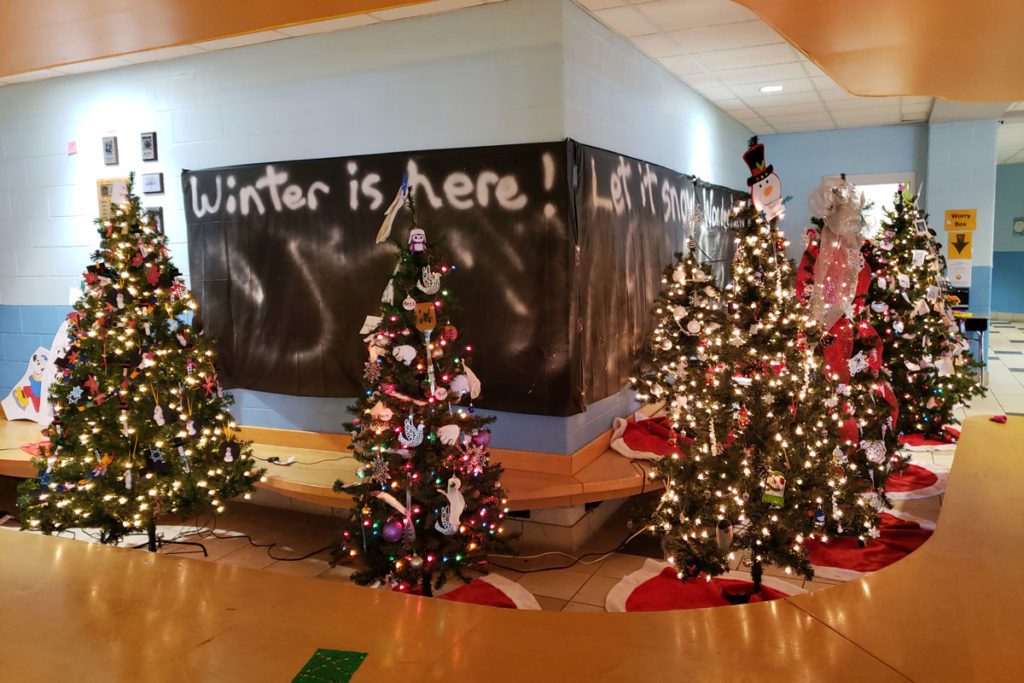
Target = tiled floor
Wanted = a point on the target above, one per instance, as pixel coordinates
(581, 587)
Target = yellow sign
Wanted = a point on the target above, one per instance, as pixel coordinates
(959, 245)
(958, 220)
(110, 191)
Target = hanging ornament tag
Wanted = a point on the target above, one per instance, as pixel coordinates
(426, 318)
(408, 303)
(903, 280)
(775, 488)
(917, 256)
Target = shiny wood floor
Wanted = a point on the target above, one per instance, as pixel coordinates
(950, 611)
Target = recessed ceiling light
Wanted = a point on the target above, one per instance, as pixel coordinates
(771, 88)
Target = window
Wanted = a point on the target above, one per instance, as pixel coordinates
(878, 189)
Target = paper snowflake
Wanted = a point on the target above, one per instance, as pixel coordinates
(858, 364)
(477, 458)
(379, 471)
(875, 450)
(371, 372)
(76, 395)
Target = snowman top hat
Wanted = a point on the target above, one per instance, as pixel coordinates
(755, 160)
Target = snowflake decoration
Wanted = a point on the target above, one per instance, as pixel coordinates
(371, 372)
(875, 450)
(76, 395)
(859, 363)
(379, 471)
(696, 299)
(477, 459)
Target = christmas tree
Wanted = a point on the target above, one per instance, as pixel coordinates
(680, 352)
(428, 502)
(834, 276)
(932, 371)
(140, 426)
(761, 475)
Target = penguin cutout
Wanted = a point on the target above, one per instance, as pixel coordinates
(451, 514)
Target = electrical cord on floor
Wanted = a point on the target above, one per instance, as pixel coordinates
(275, 460)
(269, 546)
(575, 560)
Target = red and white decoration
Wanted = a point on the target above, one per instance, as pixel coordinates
(493, 590)
(641, 438)
(917, 480)
(655, 587)
(842, 559)
(917, 442)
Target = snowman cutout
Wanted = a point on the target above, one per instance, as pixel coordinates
(765, 186)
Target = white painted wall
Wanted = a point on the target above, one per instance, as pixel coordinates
(619, 99)
(481, 76)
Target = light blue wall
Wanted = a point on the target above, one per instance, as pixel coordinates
(962, 175)
(1008, 257)
(801, 160)
(1009, 205)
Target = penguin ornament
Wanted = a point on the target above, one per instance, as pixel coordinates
(451, 514)
(765, 186)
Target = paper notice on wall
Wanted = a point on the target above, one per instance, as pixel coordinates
(958, 273)
(110, 191)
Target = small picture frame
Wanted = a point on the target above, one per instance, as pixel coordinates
(156, 215)
(148, 141)
(110, 151)
(922, 226)
(152, 183)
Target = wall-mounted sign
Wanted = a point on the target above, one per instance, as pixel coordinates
(110, 191)
(152, 183)
(959, 245)
(959, 273)
(958, 220)
(110, 151)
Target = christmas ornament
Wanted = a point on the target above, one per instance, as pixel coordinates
(429, 282)
(448, 522)
(412, 434)
(724, 534)
(417, 241)
(416, 562)
(775, 488)
(405, 353)
(408, 303)
(440, 393)
(228, 451)
(765, 186)
(448, 434)
(392, 531)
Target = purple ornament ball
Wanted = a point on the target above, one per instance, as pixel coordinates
(392, 531)
(482, 438)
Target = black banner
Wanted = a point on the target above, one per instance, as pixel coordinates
(554, 285)
(633, 217)
(285, 268)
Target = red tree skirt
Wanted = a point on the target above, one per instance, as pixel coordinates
(655, 587)
(918, 442)
(917, 481)
(493, 590)
(842, 559)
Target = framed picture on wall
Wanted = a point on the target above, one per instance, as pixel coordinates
(110, 151)
(152, 183)
(156, 218)
(149, 146)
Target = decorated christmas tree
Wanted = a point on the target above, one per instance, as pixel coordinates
(932, 369)
(141, 428)
(834, 276)
(679, 354)
(428, 502)
(762, 474)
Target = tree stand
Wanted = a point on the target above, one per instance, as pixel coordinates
(427, 591)
(155, 542)
(738, 595)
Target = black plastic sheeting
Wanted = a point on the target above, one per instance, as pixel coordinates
(557, 257)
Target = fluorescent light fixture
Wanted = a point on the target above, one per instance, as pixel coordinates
(771, 88)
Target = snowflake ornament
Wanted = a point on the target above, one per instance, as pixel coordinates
(76, 395)
(379, 471)
(858, 364)
(371, 371)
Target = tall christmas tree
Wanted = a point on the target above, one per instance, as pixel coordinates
(140, 426)
(834, 276)
(679, 356)
(932, 369)
(761, 475)
(429, 504)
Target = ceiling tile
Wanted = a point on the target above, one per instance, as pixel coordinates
(815, 107)
(747, 57)
(788, 87)
(338, 24)
(866, 104)
(762, 75)
(803, 127)
(240, 41)
(780, 98)
(627, 21)
(657, 45)
(676, 15)
(94, 65)
(715, 92)
(810, 119)
(682, 65)
(726, 36)
(595, 5)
